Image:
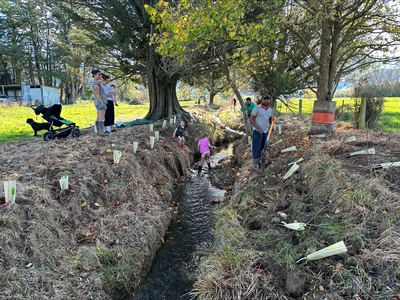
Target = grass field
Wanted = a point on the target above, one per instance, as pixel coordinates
(14, 126)
(389, 120)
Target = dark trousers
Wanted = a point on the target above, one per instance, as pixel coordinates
(110, 118)
(258, 144)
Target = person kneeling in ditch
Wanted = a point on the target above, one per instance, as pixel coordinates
(180, 132)
(260, 118)
(204, 149)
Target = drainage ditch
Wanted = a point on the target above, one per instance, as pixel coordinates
(173, 270)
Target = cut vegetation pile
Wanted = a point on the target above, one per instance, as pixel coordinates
(339, 199)
(97, 239)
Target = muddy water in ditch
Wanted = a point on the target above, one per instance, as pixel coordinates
(172, 274)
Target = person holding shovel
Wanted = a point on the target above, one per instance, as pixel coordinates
(260, 119)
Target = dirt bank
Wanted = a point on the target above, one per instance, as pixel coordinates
(98, 239)
(339, 199)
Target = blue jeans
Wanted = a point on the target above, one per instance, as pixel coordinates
(98, 106)
(258, 144)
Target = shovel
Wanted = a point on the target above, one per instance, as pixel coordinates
(264, 150)
(269, 133)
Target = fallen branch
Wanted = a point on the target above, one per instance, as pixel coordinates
(259, 203)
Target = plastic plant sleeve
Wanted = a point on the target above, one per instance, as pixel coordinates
(350, 139)
(295, 226)
(279, 127)
(386, 165)
(363, 152)
(174, 119)
(164, 124)
(249, 140)
(135, 147)
(171, 121)
(157, 135)
(64, 185)
(337, 248)
(152, 140)
(151, 127)
(295, 162)
(293, 148)
(10, 191)
(282, 215)
(321, 135)
(291, 171)
(276, 143)
(117, 156)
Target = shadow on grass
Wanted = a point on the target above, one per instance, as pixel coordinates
(18, 136)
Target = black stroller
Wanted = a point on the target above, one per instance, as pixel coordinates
(52, 115)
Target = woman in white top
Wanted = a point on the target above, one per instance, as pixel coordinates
(109, 117)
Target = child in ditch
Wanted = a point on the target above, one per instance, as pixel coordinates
(204, 149)
(180, 133)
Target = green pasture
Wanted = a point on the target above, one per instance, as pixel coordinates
(13, 118)
(14, 126)
(389, 120)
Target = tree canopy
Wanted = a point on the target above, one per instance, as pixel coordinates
(313, 43)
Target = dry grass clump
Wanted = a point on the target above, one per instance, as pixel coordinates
(325, 177)
(374, 194)
(228, 273)
(43, 282)
(363, 215)
(228, 231)
(387, 251)
(231, 274)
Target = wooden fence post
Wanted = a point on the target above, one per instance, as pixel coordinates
(300, 107)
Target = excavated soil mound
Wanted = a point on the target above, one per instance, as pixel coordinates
(97, 239)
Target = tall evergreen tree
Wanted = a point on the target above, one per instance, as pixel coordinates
(122, 29)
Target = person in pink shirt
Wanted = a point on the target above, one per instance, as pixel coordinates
(204, 149)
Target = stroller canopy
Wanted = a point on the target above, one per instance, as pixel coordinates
(52, 114)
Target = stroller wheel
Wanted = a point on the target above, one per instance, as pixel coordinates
(48, 136)
(75, 133)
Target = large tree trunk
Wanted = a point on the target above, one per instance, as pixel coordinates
(323, 117)
(226, 70)
(212, 95)
(162, 94)
(323, 92)
(36, 52)
(363, 113)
